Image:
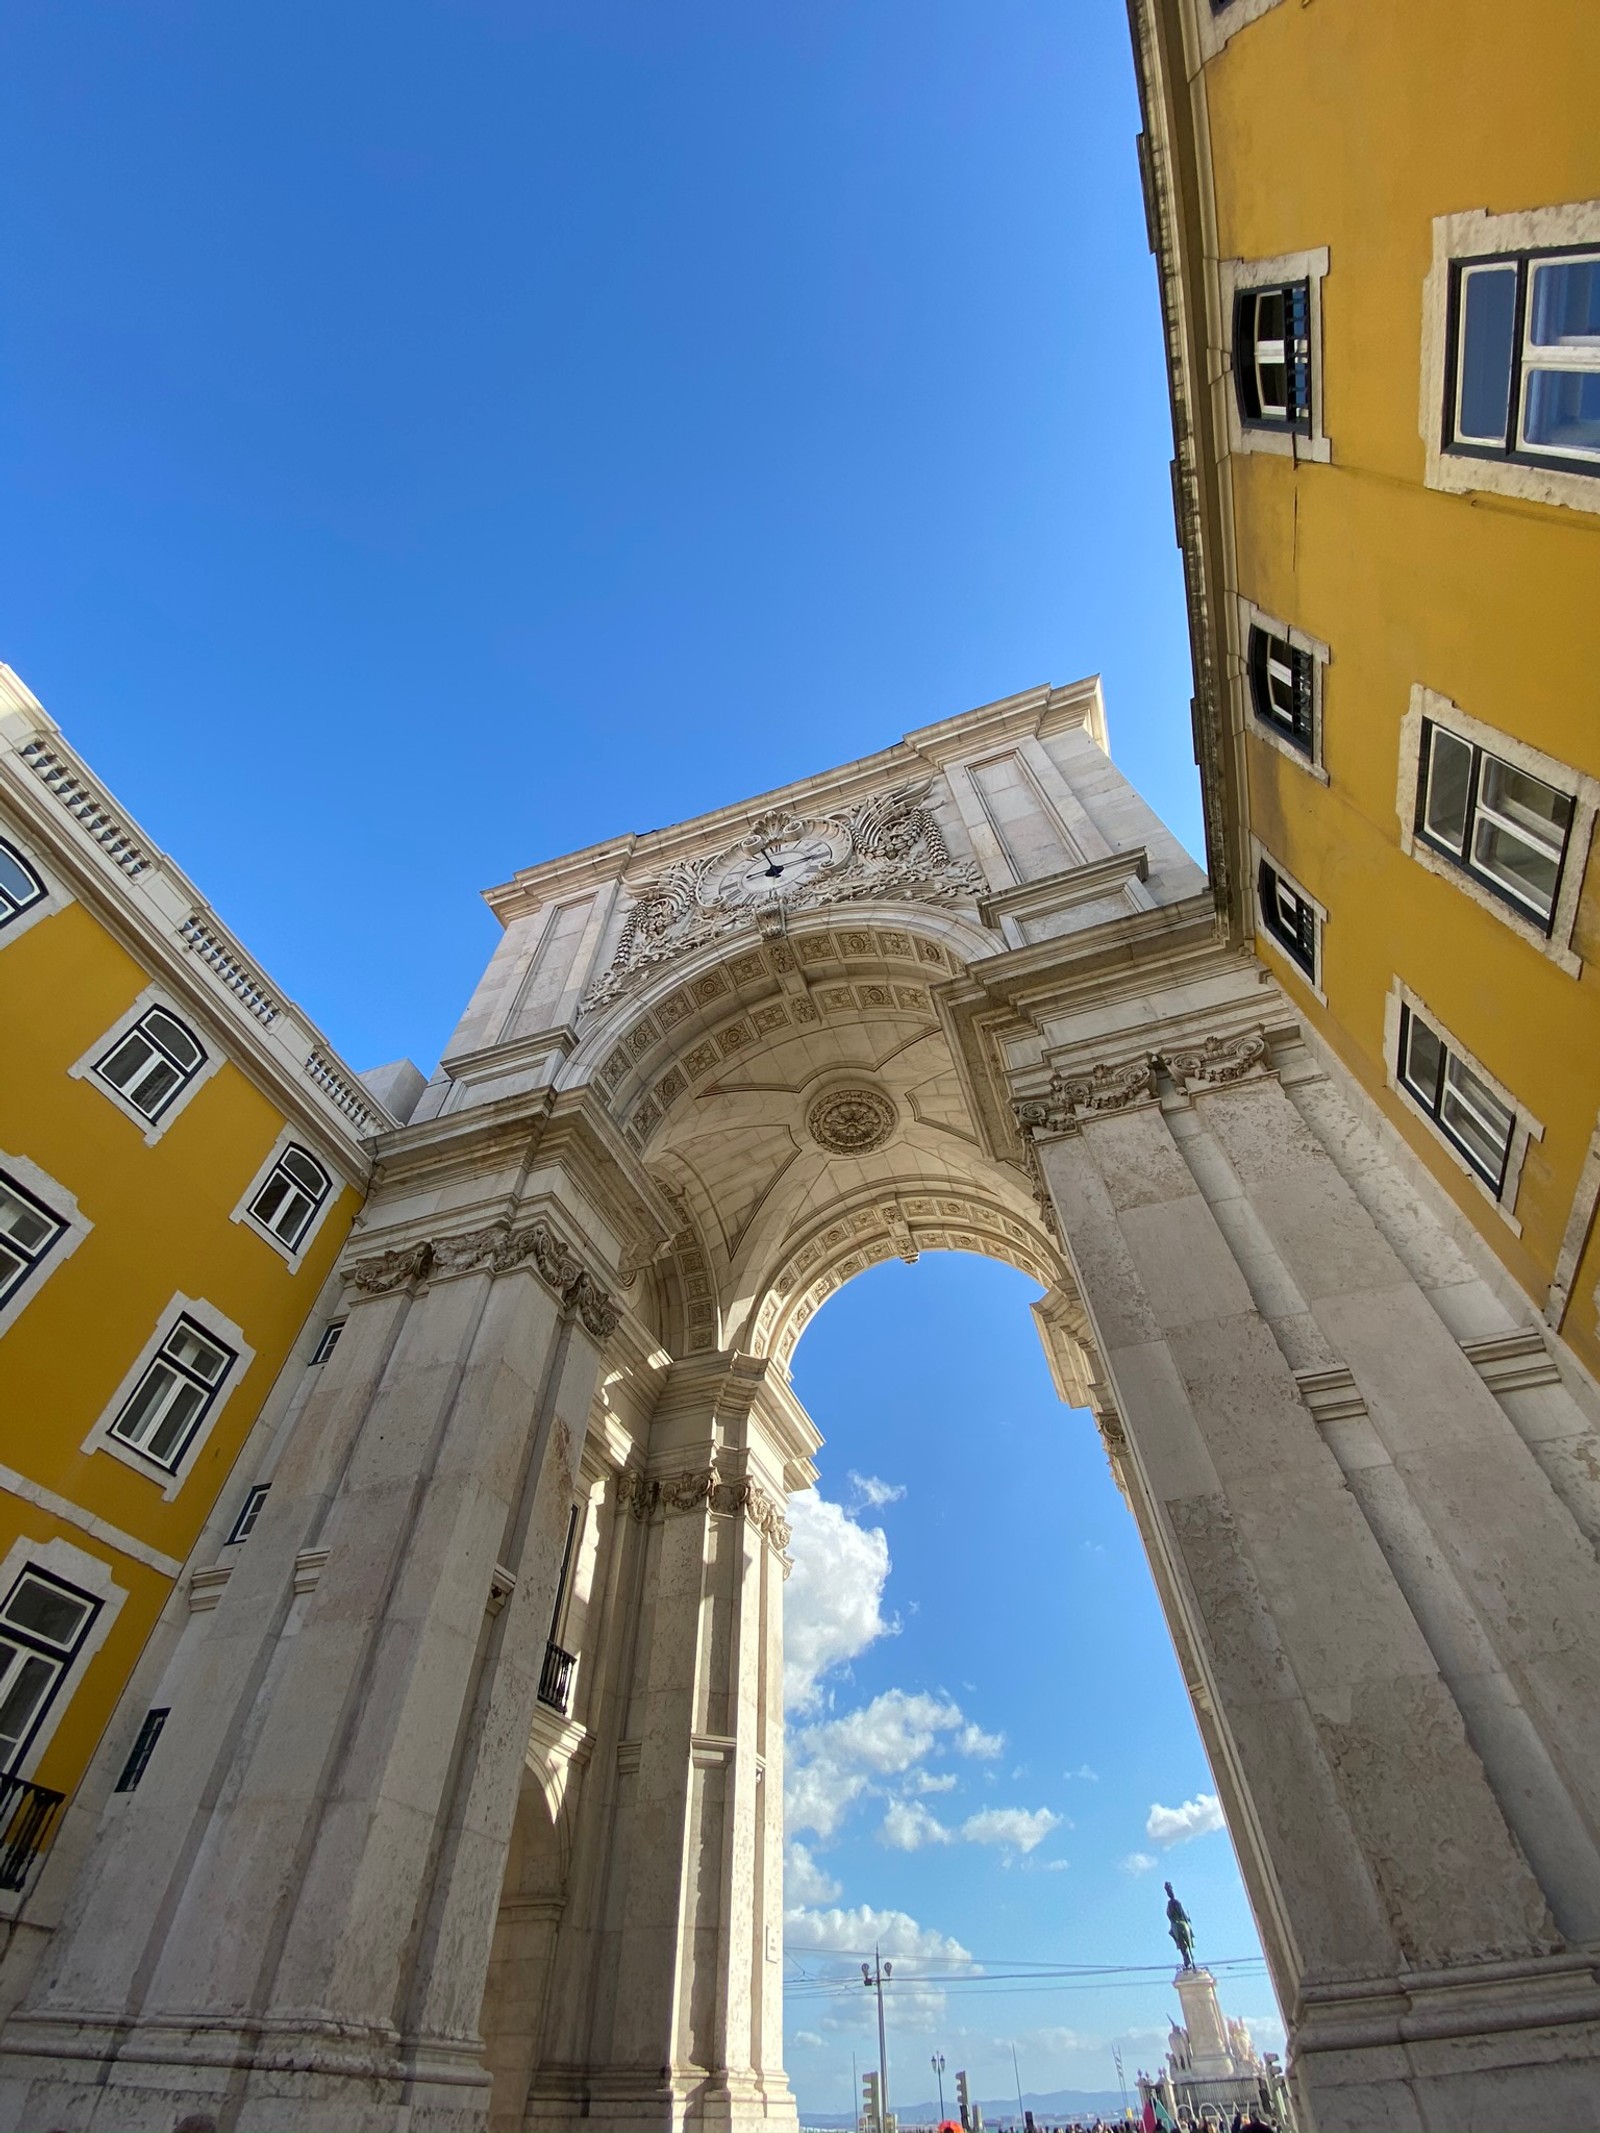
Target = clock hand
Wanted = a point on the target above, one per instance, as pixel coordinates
(774, 868)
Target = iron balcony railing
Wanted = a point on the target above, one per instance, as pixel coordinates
(555, 1680)
(26, 1812)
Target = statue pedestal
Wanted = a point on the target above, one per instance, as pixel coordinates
(1210, 2057)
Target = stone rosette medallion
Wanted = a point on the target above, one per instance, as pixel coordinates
(851, 1121)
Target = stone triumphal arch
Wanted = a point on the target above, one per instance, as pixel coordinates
(468, 1809)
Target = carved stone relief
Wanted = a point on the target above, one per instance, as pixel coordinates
(851, 1121)
(699, 1488)
(496, 1249)
(1118, 1085)
(890, 846)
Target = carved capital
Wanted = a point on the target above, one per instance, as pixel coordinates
(391, 1270)
(732, 1497)
(1219, 1060)
(701, 1488)
(1112, 1085)
(495, 1248)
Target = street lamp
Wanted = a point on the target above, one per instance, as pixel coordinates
(938, 2068)
(875, 1975)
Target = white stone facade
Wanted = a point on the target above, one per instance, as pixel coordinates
(469, 1809)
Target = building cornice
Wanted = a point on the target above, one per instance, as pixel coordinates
(1036, 712)
(152, 908)
(1173, 150)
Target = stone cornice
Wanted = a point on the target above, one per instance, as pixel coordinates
(151, 907)
(1041, 710)
(518, 1134)
(1059, 892)
(1173, 151)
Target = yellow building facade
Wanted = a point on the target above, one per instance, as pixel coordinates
(181, 1159)
(1378, 235)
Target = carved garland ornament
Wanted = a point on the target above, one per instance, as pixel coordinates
(496, 1248)
(1108, 1087)
(888, 846)
(701, 1487)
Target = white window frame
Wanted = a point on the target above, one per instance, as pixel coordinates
(91, 1574)
(1526, 1128)
(85, 1069)
(210, 1320)
(1428, 706)
(1253, 617)
(55, 897)
(1313, 981)
(1234, 277)
(62, 1204)
(1477, 234)
(1213, 27)
(248, 1515)
(327, 1340)
(290, 1137)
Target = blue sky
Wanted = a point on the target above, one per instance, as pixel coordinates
(436, 436)
(976, 1784)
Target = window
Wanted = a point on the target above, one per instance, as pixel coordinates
(1523, 369)
(295, 1188)
(1282, 680)
(42, 1627)
(20, 886)
(1272, 355)
(1289, 917)
(169, 1402)
(245, 1524)
(28, 1229)
(143, 1748)
(1458, 1100)
(150, 1063)
(329, 1341)
(1502, 824)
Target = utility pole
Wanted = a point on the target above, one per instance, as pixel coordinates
(938, 2068)
(1116, 2053)
(875, 1975)
(1017, 2078)
(855, 2092)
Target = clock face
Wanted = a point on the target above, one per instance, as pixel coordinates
(776, 868)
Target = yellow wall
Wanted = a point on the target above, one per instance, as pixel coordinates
(1352, 124)
(161, 1227)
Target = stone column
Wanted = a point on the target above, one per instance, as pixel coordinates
(670, 2014)
(1382, 1853)
(289, 1924)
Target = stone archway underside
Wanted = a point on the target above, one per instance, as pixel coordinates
(482, 1736)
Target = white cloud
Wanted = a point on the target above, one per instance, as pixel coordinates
(887, 1735)
(934, 1781)
(1083, 1771)
(1019, 1827)
(835, 1761)
(1176, 1825)
(859, 1930)
(833, 1608)
(919, 2000)
(815, 1796)
(1138, 1862)
(807, 2037)
(806, 1882)
(908, 1826)
(874, 1493)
